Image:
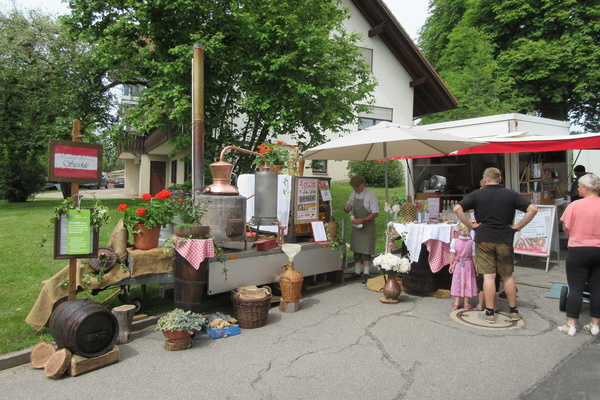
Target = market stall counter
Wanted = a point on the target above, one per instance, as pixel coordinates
(252, 267)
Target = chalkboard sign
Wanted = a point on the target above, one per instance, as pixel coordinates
(540, 236)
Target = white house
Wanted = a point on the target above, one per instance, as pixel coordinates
(408, 88)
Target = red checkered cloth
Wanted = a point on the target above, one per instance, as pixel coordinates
(439, 252)
(194, 250)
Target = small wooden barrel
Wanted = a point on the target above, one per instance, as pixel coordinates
(188, 283)
(85, 327)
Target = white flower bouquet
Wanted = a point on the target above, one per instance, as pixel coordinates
(390, 262)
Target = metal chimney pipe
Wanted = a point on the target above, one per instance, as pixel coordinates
(198, 119)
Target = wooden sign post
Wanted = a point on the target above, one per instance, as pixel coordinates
(76, 137)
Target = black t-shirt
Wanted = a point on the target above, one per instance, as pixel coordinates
(494, 207)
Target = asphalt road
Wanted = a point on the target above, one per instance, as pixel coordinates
(345, 343)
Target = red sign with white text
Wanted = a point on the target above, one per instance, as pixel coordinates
(74, 161)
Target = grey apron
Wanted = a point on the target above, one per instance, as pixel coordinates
(362, 240)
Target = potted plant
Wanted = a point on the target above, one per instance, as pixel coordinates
(189, 213)
(179, 324)
(145, 219)
(278, 155)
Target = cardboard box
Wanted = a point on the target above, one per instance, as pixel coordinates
(219, 333)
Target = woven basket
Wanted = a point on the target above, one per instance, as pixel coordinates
(290, 283)
(251, 312)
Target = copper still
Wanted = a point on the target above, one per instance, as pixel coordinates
(226, 212)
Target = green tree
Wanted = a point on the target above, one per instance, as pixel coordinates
(546, 52)
(46, 80)
(374, 172)
(272, 67)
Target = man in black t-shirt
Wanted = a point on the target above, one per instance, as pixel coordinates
(579, 171)
(495, 207)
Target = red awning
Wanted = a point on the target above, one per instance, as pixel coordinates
(588, 141)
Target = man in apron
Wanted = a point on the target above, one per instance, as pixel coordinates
(365, 208)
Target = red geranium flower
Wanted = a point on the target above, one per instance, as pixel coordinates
(271, 148)
(292, 146)
(163, 194)
(122, 207)
(279, 142)
(180, 200)
(262, 150)
(146, 196)
(141, 211)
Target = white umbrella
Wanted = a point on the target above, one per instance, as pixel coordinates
(387, 140)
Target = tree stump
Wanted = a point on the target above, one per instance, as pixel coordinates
(124, 315)
(41, 353)
(289, 306)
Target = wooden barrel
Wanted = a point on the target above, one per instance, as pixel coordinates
(188, 283)
(420, 279)
(85, 327)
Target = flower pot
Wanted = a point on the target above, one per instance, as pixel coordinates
(177, 336)
(199, 231)
(145, 239)
(391, 289)
(277, 169)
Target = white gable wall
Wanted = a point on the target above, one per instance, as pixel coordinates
(393, 90)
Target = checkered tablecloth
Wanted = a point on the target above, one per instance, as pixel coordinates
(194, 250)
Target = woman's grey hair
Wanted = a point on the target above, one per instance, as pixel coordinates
(590, 181)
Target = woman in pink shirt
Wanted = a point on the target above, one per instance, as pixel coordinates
(581, 223)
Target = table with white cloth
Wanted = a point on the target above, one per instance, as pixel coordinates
(428, 246)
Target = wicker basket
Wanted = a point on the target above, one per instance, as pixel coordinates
(250, 308)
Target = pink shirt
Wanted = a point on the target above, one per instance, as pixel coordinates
(582, 219)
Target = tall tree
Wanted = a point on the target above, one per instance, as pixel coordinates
(272, 67)
(547, 50)
(46, 80)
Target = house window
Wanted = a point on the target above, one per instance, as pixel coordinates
(367, 56)
(174, 171)
(319, 166)
(187, 171)
(374, 116)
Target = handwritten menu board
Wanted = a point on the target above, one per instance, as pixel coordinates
(306, 200)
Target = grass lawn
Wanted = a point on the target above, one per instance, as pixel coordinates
(27, 238)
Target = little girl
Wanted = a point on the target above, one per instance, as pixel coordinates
(462, 268)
